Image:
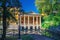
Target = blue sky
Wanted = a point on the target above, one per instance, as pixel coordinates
(29, 5)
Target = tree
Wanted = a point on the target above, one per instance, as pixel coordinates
(51, 12)
(6, 14)
(45, 6)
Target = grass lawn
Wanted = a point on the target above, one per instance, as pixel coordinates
(24, 37)
(27, 37)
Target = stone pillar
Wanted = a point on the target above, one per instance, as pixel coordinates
(28, 22)
(40, 21)
(33, 23)
(24, 22)
(37, 21)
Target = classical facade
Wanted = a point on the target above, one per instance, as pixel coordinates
(30, 21)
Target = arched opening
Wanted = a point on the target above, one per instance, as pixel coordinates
(22, 28)
(31, 28)
(35, 28)
(26, 30)
(38, 27)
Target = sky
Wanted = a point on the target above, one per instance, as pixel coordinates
(29, 5)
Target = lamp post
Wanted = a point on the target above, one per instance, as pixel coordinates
(19, 38)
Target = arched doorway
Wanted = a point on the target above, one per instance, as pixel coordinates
(22, 28)
(31, 28)
(35, 28)
(26, 29)
(38, 28)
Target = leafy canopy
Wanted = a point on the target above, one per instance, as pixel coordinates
(51, 9)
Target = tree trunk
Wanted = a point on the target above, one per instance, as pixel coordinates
(4, 24)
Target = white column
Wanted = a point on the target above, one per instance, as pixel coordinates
(24, 21)
(24, 24)
(33, 23)
(28, 22)
(37, 21)
(40, 21)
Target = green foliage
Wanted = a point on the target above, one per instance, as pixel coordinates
(52, 10)
(45, 5)
(7, 14)
(50, 20)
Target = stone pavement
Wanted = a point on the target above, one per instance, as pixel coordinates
(40, 37)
